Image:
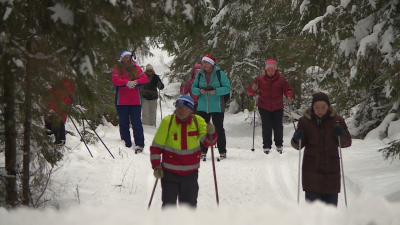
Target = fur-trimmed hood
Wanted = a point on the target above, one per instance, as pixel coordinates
(308, 113)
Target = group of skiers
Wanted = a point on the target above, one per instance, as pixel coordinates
(183, 138)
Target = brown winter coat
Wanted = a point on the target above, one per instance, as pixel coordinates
(321, 162)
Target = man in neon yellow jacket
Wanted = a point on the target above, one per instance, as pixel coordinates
(177, 143)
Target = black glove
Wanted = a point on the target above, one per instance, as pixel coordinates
(208, 88)
(338, 130)
(298, 135)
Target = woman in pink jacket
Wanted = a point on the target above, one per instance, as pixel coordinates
(128, 77)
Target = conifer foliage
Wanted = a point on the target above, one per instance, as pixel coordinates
(42, 43)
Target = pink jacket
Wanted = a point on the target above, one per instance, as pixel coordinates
(124, 95)
(186, 90)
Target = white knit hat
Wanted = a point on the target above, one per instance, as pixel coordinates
(149, 67)
(122, 54)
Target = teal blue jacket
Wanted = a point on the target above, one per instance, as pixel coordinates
(207, 102)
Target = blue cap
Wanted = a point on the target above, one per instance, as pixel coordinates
(185, 100)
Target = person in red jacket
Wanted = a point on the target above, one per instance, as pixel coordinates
(186, 85)
(56, 97)
(271, 86)
(128, 77)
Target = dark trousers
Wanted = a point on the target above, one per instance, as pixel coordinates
(57, 129)
(184, 188)
(327, 198)
(218, 121)
(271, 121)
(130, 114)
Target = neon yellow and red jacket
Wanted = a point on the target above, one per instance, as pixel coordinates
(179, 144)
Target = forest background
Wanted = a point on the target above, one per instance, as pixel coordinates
(349, 49)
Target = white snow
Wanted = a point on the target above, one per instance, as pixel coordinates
(7, 13)
(63, 13)
(18, 62)
(253, 188)
(188, 11)
(86, 66)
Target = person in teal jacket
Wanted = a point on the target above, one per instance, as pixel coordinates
(211, 104)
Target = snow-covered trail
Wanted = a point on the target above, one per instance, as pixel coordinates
(244, 178)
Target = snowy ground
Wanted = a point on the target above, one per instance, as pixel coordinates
(253, 188)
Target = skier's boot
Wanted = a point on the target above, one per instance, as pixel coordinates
(138, 149)
(203, 156)
(279, 149)
(267, 150)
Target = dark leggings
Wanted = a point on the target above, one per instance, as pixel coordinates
(271, 121)
(218, 121)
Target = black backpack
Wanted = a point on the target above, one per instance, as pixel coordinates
(227, 96)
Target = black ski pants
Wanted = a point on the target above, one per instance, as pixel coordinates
(218, 121)
(271, 121)
(57, 129)
(327, 198)
(184, 188)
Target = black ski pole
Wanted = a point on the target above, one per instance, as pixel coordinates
(91, 127)
(98, 137)
(80, 135)
(152, 194)
(341, 162)
(215, 175)
(254, 124)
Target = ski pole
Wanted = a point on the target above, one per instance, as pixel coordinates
(80, 135)
(98, 137)
(298, 185)
(159, 95)
(254, 124)
(254, 120)
(95, 133)
(215, 175)
(152, 194)
(293, 122)
(341, 162)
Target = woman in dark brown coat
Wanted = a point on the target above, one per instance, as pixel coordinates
(321, 163)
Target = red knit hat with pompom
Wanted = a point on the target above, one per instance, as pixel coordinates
(271, 64)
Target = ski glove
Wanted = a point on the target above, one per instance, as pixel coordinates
(183, 83)
(210, 128)
(158, 172)
(131, 84)
(288, 100)
(298, 135)
(338, 130)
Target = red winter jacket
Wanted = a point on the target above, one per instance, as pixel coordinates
(186, 90)
(63, 95)
(124, 95)
(271, 91)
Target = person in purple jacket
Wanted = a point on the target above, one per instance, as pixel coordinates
(128, 77)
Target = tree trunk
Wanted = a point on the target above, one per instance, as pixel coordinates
(27, 128)
(10, 139)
